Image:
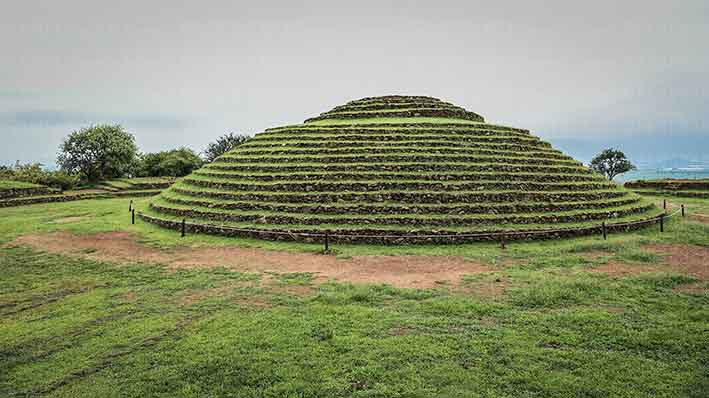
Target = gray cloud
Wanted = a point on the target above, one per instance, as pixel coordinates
(184, 73)
(48, 118)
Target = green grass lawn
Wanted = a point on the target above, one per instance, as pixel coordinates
(74, 327)
(131, 183)
(10, 184)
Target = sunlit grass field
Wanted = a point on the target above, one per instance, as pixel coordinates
(71, 326)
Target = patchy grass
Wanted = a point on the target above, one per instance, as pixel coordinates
(107, 215)
(11, 184)
(73, 327)
(379, 120)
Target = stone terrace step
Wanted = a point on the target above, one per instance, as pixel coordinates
(371, 186)
(399, 167)
(394, 208)
(406, 126)
(532, 148)
(391, 158)
(447, 113)
(410, 196)
(411, 219)
(422, 177)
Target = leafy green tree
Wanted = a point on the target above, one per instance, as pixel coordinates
(223, 144)
(98, 152)
(611, 162)
(175, 163)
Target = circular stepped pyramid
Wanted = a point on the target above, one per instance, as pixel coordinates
(401, 169)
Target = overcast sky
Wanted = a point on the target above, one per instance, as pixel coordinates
(182, 73)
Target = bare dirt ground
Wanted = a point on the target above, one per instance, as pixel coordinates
(688, 259)
(494, 287)
(702, 218)
(400, 271)
(616, 268)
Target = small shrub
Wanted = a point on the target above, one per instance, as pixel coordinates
(223, 144)
(174, 163)
(35, 174)
(61, 180)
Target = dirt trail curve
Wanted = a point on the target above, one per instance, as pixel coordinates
(399, 271)
(687, 259)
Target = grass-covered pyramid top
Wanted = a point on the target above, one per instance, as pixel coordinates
(397, 106)
(394, 168)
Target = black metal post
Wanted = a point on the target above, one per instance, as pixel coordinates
(605, 233)
(664, 204)
(132, 216)
(327, 242)
(662, 222)
(682, 210)
(183, 227)
(130, 205)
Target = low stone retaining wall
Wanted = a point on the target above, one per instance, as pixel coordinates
(405, 167)
(448, 113)
(669, 185)
(455, 209)
(396, 158)
(22, 192)
(468, 151)
(403, 126)
(364, 186)
(396, 238)
(401, 137)
(407, 197)
(325, 144)
(457, 220)
(364, 176)
(682, 194)
(68, 198)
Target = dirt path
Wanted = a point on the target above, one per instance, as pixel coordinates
(688, 259)
(399, 271)
(619, 269)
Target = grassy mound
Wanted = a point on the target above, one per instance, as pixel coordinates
(13, 193)
(394, 167)
(698, 188)
(137, 184)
